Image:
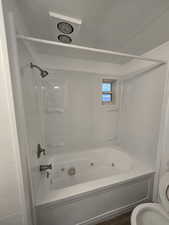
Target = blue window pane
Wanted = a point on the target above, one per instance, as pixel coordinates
(106, 98)
(106, 87)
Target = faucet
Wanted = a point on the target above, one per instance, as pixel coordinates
(45, 167)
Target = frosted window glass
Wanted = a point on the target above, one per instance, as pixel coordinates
(106, 87)
(106, 97)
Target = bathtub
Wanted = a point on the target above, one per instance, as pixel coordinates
(92, 186)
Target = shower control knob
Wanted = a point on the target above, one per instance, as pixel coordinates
(71, 171)
(40, 151)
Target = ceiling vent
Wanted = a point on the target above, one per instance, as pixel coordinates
(65, 29)
(64, 38)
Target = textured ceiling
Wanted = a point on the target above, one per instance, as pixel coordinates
(133, 26)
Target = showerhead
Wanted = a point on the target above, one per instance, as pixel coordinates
(43, 73)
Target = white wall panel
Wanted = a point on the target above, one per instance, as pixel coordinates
(84, 122)
(141, 114)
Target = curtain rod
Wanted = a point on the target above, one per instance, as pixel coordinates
(56, 43)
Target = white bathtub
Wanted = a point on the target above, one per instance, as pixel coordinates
(90, 186)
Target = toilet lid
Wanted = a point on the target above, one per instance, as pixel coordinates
(164, 191)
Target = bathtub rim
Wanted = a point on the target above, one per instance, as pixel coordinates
(56, 200)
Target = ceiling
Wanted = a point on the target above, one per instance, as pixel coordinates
(132, 26)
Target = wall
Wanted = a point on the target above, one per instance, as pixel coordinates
(141, 114)
(12, 7)
(85, 123)
(11, 186)
(79, 64)
(74, 114)
(161, 52)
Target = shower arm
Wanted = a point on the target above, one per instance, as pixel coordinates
(43, 73)
(35, 66)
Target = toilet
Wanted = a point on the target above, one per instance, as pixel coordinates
(154, 213)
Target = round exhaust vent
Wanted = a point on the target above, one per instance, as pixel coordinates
(65, 39)
(65, 28)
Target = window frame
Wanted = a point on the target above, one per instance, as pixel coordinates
(110, 103)
(107, 81)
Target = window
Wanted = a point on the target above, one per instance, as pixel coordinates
(109, 91)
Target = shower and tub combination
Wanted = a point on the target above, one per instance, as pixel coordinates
(92, 133)
(84, 176)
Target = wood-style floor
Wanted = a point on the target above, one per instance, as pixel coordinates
(120, 220)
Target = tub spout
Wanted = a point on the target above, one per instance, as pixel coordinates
(45, 167)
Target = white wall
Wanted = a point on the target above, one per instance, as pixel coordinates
(12, 201)
(85, 122)
(141, 114)
(161, 52)
(81, 65)
(12, 7)
(10, 206)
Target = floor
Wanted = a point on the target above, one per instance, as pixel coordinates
(120, 220)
